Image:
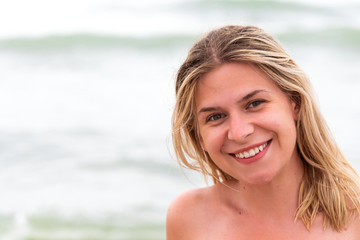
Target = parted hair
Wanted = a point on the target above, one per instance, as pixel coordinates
(330, 185)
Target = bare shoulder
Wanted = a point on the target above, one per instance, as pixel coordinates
(186, 212)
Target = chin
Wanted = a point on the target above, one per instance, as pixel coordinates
(260, 178)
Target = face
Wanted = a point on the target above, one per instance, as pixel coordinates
(246, 123)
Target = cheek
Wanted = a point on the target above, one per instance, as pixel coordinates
(286, 129)
(273, 122)
(212, 140)
(282, 124)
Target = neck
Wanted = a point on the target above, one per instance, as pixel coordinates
(277, 198)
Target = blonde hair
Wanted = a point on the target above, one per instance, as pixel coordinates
(330, 185)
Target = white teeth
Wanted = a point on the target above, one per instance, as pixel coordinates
(252, 152)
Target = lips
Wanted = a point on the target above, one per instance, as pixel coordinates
(252, 153)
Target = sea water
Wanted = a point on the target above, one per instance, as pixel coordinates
(87, 91)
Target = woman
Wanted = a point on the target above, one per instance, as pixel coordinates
(245, 116)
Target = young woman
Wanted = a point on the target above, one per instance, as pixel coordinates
(245, 116)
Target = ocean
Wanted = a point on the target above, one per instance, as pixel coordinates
(87, 92)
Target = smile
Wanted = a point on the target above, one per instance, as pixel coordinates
(251, 152)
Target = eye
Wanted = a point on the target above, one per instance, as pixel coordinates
(255, 103)
(215, 117)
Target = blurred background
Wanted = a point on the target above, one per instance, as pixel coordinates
(86, 95)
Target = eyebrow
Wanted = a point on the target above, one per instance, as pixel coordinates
(251, 94)
(246, 97)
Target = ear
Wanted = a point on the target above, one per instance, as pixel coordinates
(295, 109)
(295, 99)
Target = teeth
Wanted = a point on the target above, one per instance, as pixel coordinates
(252, 152)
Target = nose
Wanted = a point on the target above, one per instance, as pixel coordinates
(240, 127)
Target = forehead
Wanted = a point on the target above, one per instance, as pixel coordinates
(241, 71)
(232, 80)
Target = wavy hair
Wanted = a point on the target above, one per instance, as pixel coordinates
(329, 185)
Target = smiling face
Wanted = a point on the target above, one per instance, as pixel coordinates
(246, 123)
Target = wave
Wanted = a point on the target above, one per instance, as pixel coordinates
(344, 36)
(53, 225)
(163, 167)
(91, 41)
(340, 36)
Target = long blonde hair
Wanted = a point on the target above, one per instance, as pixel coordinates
(330, 185)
